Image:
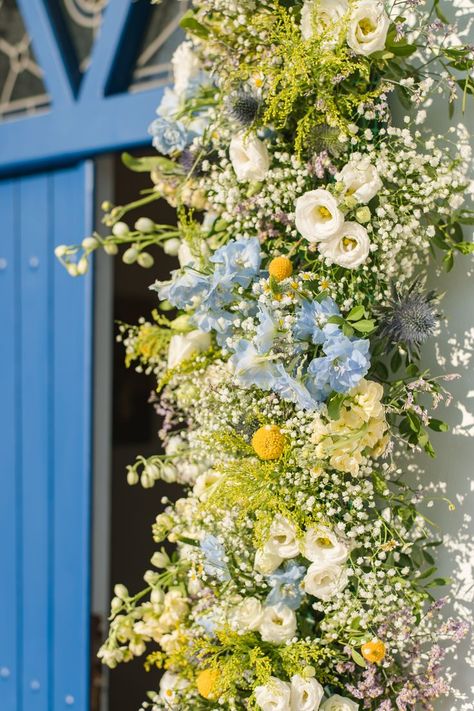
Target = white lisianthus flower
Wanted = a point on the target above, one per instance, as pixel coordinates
(273, 696)
(339, 703)
(278, 624)
(184, 345)
(368, 27)
(204, 482)
(169, 684)
(322, 546)
(266, 562)
(282, 541)
(186, 67)
(249, 157)
(350, 248)
(247, 615)
(306, 694)
(317, 215)
(323, 16)
(360, 179)
(325, 582)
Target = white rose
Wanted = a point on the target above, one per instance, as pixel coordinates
(368, 27)
(306, 694)
(282, 540)
(325, 583)
(324, 16)
(266, 562)
(350, 248)
(186, 66)
(184, 345)
(339, 703)
(322, 546)
(169, 684)
(249, 157)
(360, 179)
(317, 215)
(273, 696)
(278, 624)
(247, 615)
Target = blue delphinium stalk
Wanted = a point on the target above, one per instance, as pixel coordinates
(253, 368)
(286, 585)
(214, 555)
(312, 320)
(345, 362)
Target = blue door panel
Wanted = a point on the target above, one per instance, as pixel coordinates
(45, 372)
(10, 521)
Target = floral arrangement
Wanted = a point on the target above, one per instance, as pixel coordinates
(286, 348)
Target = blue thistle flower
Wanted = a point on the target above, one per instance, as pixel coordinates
(410, 318)
(243, 106)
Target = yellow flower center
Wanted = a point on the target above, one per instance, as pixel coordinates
(280, 268)
(206, 682)
(324, 543)
(324, 213)
(367, 26)
(349, 244)
(374, 651)
(268, 442)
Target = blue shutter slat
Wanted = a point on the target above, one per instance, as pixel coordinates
(36, 417)
(45, 423)
(72, 403)
(10, 521)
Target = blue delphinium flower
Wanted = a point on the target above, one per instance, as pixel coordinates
(312, 320)
(208, 623)
(238, 260)
(293, 390)
(252, 368)
(345, 362)
(183, 288)
(168, 136)
(286, 585)
(217, 320)
(214, 555)
(266, 330)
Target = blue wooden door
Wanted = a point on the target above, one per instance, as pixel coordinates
(45, 425)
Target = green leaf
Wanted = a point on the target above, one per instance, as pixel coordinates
(439, 13)
(190, 24)
(358, 658)
(336, 319)
(356, 313)
(412, 370)
(334, 405)
(428, 573)
(381, 370)
(396, 361)
(150, 163)
(438, 426)
(448, 261)
(365, 326)
(439, 582)
(465, 247)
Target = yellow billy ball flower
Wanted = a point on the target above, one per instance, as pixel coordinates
(268, 442)
(280, 268)
(373, 651)
(206, 681)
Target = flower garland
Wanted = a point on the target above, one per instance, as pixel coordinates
(288, 376)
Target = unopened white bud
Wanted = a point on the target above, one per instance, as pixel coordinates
(120, 229)
(72, 269)
(116, 604)
(145, 260)
(110, 248)
(132, 477)
(157, 596)
(130, 255)
(144, 224)
(90, 243)
(160, 559)
(121, 591)
(60, 250)
(171, 246)
(82, 265)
